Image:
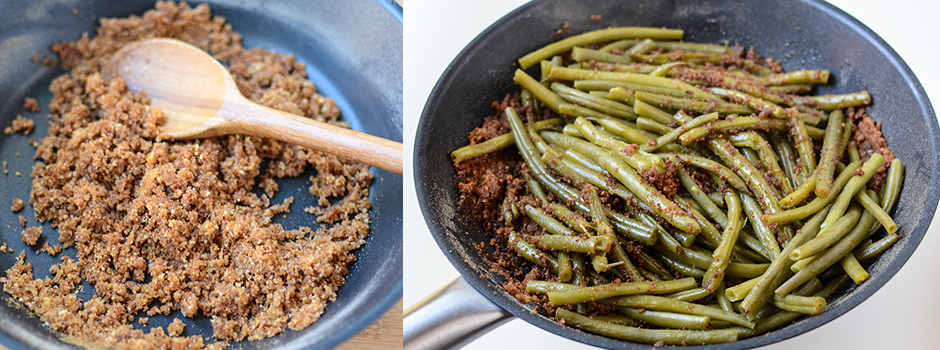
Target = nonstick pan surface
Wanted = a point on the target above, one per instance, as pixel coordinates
(802, 34)
(353, 52)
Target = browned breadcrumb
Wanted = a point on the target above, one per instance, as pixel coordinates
(31, 235)
(22, 221)
(35, 58)
(49, 62)
(19, 174)
(31, 105)
(596, 18)
(17, 205)
(51, 249)
(19, 124)
(175, 328)
(565, 29)
(164, 226)
(869, 140)
(5, 249)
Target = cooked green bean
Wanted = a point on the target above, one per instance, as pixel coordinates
(534, 187)
(595, 293)
(616, 319)
(694, 47)
(714, 167)
(570, 218)
(768, 158)
(626, 267)
(672, 135)
(689, 295)
(779, 269)
(667, 319)
(602, 105)
(853, 186)
(854, 269)
(792, 89)
(690, 105)
(892, 187)
(870, 251)
(830, 256)
(652, 265)
(589, 245)
(830, 153)
(740, 290)
(800, 194)
(597, 36)
(666, 336)
(816, 204)
(803, 143)
(752, 177)
(649, 111)
(636, 159)
(828, 235)
(619, 45)
(580, 54)
(498, 142)
(568, 74)
(700, 197)
(650, 302)
(872, 207)
(796, 77)
(835, 101)
(762, 232)
(547, 222)
(722, 255)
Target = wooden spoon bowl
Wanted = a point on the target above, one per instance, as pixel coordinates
(199, 98)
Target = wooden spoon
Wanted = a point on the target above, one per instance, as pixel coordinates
(200, 99)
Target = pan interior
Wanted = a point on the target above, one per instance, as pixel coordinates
(353, 54)
(858, 59)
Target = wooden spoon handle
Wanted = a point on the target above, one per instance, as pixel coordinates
(245, 117)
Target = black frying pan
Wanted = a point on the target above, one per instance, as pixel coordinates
(827, 38)
(353, 51)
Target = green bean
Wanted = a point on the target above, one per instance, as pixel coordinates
(803, 143)
(792, 89)
(616, 319)
(649, 194)
(526, 250)
(779, 269)
(666, 336)
(709, 231)
(650, 302)
(722, 255)
(835, 101)
(667, 319)
(547, 222)
(542, 93)
(766, 324)
(691, 105)
(831, 256)
(640, 47)
(568, 74)
(762, 232)
(892, 187)
(624, 89)
(740, 290)
(694, 47)
(872, 207)
(751, 176)
(787, 158)
(597, 36)
(815, 205)
(689, 57)
(542, 287)
(672, 135)
(649, 111)
(796, 77)
(602, 226)
(652, 125)
(755, 244)
(626, 266)
(618, 45)
(800, 194)
(632, 135)
(507, 209)
(754, 103)
(830, 153)
(680, 267)
(689, 295)
(700, 197)
(828, 235)
(870, 251)
(853, 186)
(602, 105)
(636, 159)
(578, 111)
(497, 143)
(713, 167)
(590, 245)
(732, 124)
(580, 54)
(570, 218)
(582, 294)
(854, 269)
(799, 265)
(768, 158)
(534, 187)
(651, 264)
(723, 300)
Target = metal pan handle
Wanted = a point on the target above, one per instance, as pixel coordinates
(450, 318)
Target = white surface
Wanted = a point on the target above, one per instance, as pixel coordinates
(904, 314)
